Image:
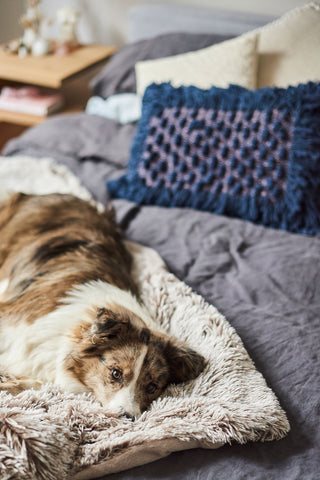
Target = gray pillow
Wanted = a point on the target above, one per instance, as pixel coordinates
(118, 76)
(147, 20)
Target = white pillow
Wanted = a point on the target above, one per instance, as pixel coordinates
(289, 48)
(233, 61)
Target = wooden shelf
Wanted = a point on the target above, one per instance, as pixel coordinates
(20, 118)
(51, 70)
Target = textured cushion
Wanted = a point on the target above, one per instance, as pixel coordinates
(289, 48)
(118, 75)
(254, 155)
(233, 61)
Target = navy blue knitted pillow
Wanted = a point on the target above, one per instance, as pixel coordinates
(248, 154)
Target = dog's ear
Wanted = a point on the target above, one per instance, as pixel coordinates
(108, 325)
(184, 363)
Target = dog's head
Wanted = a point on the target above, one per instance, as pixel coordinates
(125, 364)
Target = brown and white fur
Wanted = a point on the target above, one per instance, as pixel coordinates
(70, 311)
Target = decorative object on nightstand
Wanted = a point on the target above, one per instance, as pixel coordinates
(67, 40)
(33, 40)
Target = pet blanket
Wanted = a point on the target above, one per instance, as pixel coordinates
(48, 434)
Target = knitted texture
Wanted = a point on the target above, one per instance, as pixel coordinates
(253, 155)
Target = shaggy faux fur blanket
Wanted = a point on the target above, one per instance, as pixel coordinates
(50, 435)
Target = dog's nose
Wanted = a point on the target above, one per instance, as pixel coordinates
(129, 416)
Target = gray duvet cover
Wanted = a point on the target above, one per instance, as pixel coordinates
(266, 282)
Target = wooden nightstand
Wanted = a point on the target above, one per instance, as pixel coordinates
(69, 75)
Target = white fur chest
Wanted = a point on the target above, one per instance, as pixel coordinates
(38, 351)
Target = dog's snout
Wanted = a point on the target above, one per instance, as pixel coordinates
(129, 416)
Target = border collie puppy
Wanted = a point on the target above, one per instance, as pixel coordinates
(70, 311)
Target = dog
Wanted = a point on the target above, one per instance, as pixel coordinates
(70, 311)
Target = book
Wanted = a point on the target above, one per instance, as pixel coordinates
(30, 100)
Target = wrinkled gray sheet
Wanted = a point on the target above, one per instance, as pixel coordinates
(266, 282)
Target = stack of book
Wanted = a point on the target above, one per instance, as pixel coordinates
(30, 100)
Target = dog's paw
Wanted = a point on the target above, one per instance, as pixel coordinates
(18, 385)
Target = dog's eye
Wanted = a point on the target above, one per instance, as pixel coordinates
(151, 388)
(116, 374)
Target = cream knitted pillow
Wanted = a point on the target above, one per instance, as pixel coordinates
(233, 61)
(289, 48)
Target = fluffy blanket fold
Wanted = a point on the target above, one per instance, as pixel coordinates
(48, 434)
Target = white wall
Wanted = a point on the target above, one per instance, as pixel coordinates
(104, 21)
(10, 10)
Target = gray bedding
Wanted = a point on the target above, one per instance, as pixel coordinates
(266, 282)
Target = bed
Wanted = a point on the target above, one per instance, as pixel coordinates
(266, 281)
